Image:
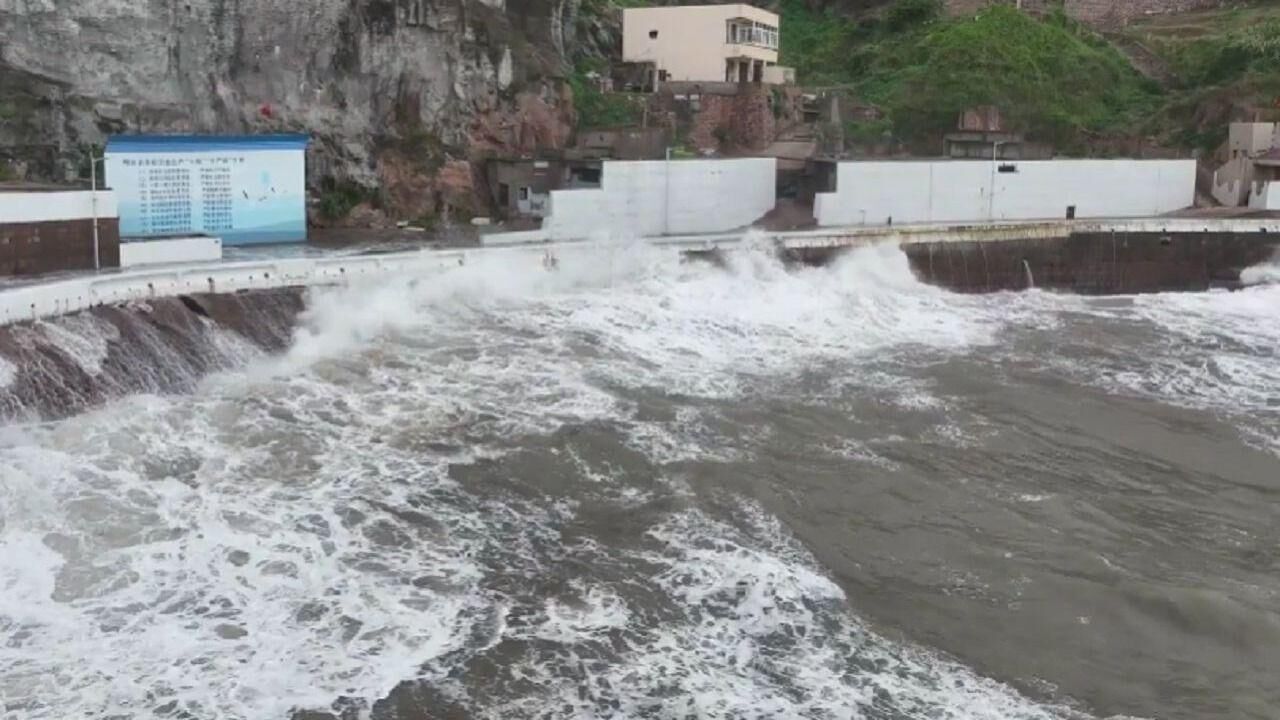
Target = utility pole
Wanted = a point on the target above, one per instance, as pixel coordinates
(93, 173)
(991, 196)
(666, 201)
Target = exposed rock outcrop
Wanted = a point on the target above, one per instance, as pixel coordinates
(392, 91)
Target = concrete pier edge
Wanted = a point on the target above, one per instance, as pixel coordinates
(58, 296)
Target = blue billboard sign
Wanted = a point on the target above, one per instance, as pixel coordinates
(246, 190)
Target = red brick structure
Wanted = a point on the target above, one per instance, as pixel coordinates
(51, 230)
(43, 247)
(724, 117)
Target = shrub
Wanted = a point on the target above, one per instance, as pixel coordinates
(339, 197)
(904, 14)
(600, 109)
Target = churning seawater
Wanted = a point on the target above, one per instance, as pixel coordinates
(635, 488)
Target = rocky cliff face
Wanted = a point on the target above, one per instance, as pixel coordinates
(397, 94)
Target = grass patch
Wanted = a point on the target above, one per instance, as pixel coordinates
(1052, 79)
(1226, 65)
(597, 109)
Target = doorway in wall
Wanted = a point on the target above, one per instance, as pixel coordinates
(1071, 212)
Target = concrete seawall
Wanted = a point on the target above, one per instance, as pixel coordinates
(1094, 263)
(161, 330)
(165, 345)
(1199, 253)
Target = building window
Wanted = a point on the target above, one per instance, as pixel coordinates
(653, 34)
(1008, 168)
(504, 194)
(753, 33)
(524, 193)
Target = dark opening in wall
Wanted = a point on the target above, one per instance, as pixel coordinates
(1008, 168)
(653, 34)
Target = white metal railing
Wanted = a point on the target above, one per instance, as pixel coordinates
(758, 34)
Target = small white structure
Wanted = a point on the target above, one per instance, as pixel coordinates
(169, 251)
(39, 207)
(1233, 183)
(654, 198)
(704, 43)
(882, 193)
(1266, 196)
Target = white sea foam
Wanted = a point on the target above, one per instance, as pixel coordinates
(8, 372)
(760, 634)
(209, 571)
(1217, 351)
(83, 337)
(291, 534)
(1264, 274)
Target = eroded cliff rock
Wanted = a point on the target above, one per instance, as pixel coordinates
(393, 91)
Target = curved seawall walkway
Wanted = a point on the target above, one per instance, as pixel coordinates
(42, 299)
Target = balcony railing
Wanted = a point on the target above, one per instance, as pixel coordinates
(753, 34)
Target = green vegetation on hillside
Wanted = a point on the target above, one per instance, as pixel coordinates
(597, 109)
(1226, 66)
(1052, 78)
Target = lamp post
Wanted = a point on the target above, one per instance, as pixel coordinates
(93, 172)
(991, 196)
(666, 199)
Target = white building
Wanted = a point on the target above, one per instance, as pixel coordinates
(704, 43)
(1236, 184)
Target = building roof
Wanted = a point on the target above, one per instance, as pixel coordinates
(729, 10)
(203, 143)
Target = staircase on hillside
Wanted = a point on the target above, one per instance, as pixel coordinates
(1143, 59)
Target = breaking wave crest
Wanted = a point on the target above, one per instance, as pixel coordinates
(408, 493)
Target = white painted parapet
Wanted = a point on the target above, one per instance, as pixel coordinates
(892, 192)
(56, 206)
(36, 300)
(170, 251)
(23, 302)
(657, 197)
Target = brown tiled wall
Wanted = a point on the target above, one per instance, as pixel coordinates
(32, 248)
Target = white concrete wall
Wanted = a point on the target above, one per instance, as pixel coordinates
(169, 251)
(652, 198)
(870, 193)
(26, 207)
(1266, 196)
